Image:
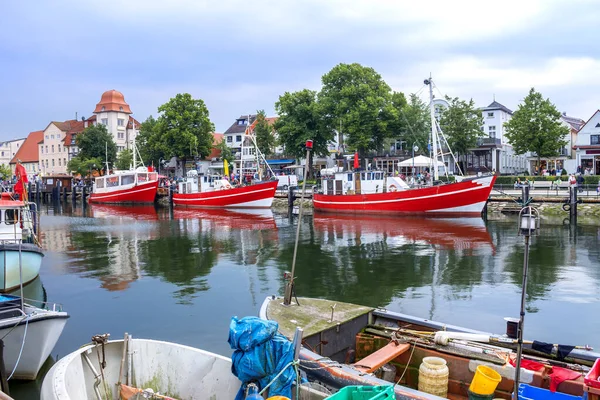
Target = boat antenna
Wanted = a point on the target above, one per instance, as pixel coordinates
(289, 288)
(433, 128)
(106, 155)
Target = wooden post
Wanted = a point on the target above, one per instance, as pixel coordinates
(573, 203)
(291, 197)
(65, 193)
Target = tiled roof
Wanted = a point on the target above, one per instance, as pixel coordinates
(137, 123)
(236, 128)
(576, 123)
(29, 151)
(497, 106)
(70, 126)
(216, 153)
(270, 121)
(112, 100)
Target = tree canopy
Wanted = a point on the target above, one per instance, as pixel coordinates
(5, 172)
(149, 143)
(124, 159)
(461, 123)
(265, 140)
(84, 166)
(96, 142)
(417, 122)
(300, 119)
(226, 153)
(359, 98)
(536, 127)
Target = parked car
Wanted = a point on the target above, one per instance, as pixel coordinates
(287, 181)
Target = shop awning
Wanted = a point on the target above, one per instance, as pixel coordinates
(281, 161)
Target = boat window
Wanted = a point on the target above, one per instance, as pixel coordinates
(112, 181)
(349, 177)
(142, 177)
(189, 187)
(11, 217)
(127, 179)
(362, 176)
(152, 176)
(99, 183)
(368, 176)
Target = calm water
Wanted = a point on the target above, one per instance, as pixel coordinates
(181, 277)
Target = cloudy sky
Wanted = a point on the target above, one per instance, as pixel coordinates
(57, 57)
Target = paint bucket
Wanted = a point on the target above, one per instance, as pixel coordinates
(475, 396)
(485, 381)
(512, 327)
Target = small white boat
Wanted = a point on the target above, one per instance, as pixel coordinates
(20, 253)
(140, 366)
(29, 335)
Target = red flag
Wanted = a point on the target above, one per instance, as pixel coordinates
(21, 174)
(150, 168)
(356, 163)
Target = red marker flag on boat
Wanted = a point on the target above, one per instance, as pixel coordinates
(356, 164)
(21, 174)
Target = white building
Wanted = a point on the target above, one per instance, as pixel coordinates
(587, 145)
(9, 149)
(28, 153)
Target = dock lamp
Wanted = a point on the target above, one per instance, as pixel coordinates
(289, 287)
(414, 149)
(529, 224)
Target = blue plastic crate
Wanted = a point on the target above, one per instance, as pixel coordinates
(364, 393)
(527, 392)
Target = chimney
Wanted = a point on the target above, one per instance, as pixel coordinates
(75, 115)
(564, 113)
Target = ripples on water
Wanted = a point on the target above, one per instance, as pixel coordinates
(181, 275)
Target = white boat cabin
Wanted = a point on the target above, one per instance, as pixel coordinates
(16, 224)
(122, 180)
(195, 183)
(363, 182)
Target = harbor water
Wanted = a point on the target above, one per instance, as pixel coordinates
(181, 275)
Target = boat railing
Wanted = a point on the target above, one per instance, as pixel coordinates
(48, 306)
(10, 313)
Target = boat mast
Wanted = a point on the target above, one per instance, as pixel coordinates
(133, 143)
(106, 156)
(433, 129)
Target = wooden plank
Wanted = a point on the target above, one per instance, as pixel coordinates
(374, 361)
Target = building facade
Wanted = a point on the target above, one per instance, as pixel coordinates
(587, 145)
(28, 153)
(9, 149)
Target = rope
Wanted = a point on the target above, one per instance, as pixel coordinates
(407, 364)
(293, 362)
(20, 351)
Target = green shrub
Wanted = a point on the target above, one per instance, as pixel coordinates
(509, 180)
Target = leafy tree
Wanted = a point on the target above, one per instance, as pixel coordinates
(461, 123)
(536, 127)
(84, 166)
(265, 140)
(300, 119)
(96, 142)
(149, 143)
(226, 153)
(358, 97)
(417, 122)
(185, 128)
(124, 159)
(5, 172)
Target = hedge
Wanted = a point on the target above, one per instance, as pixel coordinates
(510, 180)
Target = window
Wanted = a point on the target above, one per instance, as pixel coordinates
(53, 148)
(594, 139)
(104, 121)
(46, 136)
(492, 130)
(229, 139)
(120, 108)
(53, 162)
(121, 135)
(238, 138)
(59, 162)
(46, 148)
(59, 148)
(103, 108)
(11, 216)
(490, 115)
(100, 183)
(241, 122)
(120, 122)
(46, 163)
(127, 179)
(65, 162)
(2, 154)
(120, 148)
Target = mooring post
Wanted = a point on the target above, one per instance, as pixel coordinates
(171, 191)
(74, 194)
(524, 194)
(291, 197)
(65, 193)
(573, 203)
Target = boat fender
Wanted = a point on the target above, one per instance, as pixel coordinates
(393, 188)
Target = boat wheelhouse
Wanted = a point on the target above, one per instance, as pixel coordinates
(138, 186)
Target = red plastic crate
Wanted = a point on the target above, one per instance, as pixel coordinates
(591, 378)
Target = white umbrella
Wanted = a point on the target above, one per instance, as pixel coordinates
(419, 161)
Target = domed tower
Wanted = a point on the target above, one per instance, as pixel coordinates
(113, 112)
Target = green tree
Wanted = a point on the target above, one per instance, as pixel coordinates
(124, 160)
(149, 143)
(300, 119)
(536, 127)
(84, 166)
(461, 123)
(417, 122)
(265, 140)
(359, 98)
(96, 142)
(5, 172)
(185, 128)
(226, 153)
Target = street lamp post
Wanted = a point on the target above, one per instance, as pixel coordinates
(159, 164)
(529, 222)
(414, 148)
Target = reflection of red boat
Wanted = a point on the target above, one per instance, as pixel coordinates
(452, 233)
(138, 212)
(222, 218)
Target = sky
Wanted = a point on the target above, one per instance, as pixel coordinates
(58, 57)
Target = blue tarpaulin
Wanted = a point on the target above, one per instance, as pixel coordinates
(260, 354)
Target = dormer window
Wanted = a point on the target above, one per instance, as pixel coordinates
(120, 108)
(103, 108)
(241, 122)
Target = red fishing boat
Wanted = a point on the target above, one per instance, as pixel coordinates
(214, 192)
(133, 187)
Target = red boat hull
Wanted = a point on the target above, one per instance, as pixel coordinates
(259, 195)
(462, 198)
(141, 193)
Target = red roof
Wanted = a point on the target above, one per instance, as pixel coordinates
(270, 121)
(216, 153)
(112, 100)
(29, 151)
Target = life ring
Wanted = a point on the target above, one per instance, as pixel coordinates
(393, 188)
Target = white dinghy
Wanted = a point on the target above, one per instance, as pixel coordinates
(151, 368)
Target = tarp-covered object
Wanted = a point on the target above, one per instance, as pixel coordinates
(260, 354)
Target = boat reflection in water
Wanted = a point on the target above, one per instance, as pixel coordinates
(138, 212)
(33, 292)
(447, 233)
(247, 219)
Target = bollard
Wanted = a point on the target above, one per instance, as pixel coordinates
(65, 193)
(54, 194)
(74, 194)
(524, 194)
(171, 191)
(573, 203)
(291, 197)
